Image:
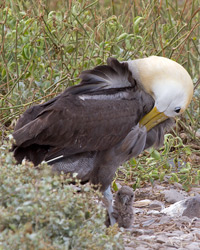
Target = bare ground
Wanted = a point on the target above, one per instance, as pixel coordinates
(155, 230)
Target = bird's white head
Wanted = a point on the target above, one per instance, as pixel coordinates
(167, 81)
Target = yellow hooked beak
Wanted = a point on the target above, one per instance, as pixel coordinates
(153, 118)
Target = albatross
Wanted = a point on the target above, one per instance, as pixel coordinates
(114, 113)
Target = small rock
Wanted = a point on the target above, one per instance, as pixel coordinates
(142, 232)
(156, 205)
(192, 207)
(196, 223)
(175, 210)
(147, 237)
(142, 203)
(164, 220)
(178, 185)
(171, 234)
(153, 212)
(182, 220)
(148, 222)
(138, 210)
(170, 247)
(137, 232)
(161, 239)
(172, 195)
(141, 248)
(198, 236)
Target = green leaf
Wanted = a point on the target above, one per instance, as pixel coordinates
(162, 176)
(174, 177)
(27, 52)
(187, 150)
(184, 170)
(3, 72)
(136, 23)
(133, 162)
(114, 186)
(156, 155)
(121, 37)
(70, 49)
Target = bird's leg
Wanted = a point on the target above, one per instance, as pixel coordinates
(109, 197)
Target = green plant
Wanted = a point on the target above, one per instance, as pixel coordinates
(39, 210)
(173, 163)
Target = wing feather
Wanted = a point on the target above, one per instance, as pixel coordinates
(80, 125)
(114, 75)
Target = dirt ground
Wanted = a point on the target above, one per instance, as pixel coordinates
(155, 230)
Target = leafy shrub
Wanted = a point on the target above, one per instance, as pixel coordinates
(39, 210)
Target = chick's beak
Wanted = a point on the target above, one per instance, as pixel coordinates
(153, 118)
(125, 199)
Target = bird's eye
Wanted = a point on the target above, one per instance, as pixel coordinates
(177, 109)
(119, 194)
(132, 196)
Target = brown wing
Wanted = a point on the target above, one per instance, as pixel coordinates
(80, 125)
(31, 113)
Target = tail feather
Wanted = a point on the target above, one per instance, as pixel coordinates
(35, 153)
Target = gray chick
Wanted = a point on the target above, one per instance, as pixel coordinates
(123, 207)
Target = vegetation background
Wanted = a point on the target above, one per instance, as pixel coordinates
(44, 45)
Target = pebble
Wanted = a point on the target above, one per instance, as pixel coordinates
(192, 207)
(142, 232)
(172, 195)
(147, 237)
(156, 205)
(161, 239)
(164, 219)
